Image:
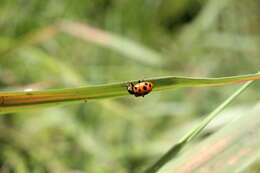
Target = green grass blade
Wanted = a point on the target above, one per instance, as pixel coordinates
(193, 133)
(14, 101)
(122, 45)
(34, 37)
(99, 37)
(230, 150)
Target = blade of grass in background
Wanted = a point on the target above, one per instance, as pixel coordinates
(193, 133)
(122, 45)
(14, 101)
(204, 21)
(31, 38)
(99, 37)
(231, 149)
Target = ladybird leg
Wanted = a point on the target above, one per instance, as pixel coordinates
(130, 92)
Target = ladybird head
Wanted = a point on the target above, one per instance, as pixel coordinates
(130, 87)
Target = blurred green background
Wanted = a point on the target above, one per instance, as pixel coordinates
(197, 38)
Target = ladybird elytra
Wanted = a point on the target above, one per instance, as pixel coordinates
(140, 89)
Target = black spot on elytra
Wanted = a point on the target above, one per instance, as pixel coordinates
(144, 87)
(146, 83)
(150, 85)
(139, 90)
(136, 88)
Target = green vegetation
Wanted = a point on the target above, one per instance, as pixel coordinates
(69, 44)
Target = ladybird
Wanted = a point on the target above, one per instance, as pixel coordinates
(140, 89)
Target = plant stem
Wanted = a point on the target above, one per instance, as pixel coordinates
(192, 134)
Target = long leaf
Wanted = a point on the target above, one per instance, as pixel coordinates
(175, 149)
(230, 150)
(14, 101)
(114, 42)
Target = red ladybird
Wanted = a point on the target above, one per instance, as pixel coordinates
(140, 89)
